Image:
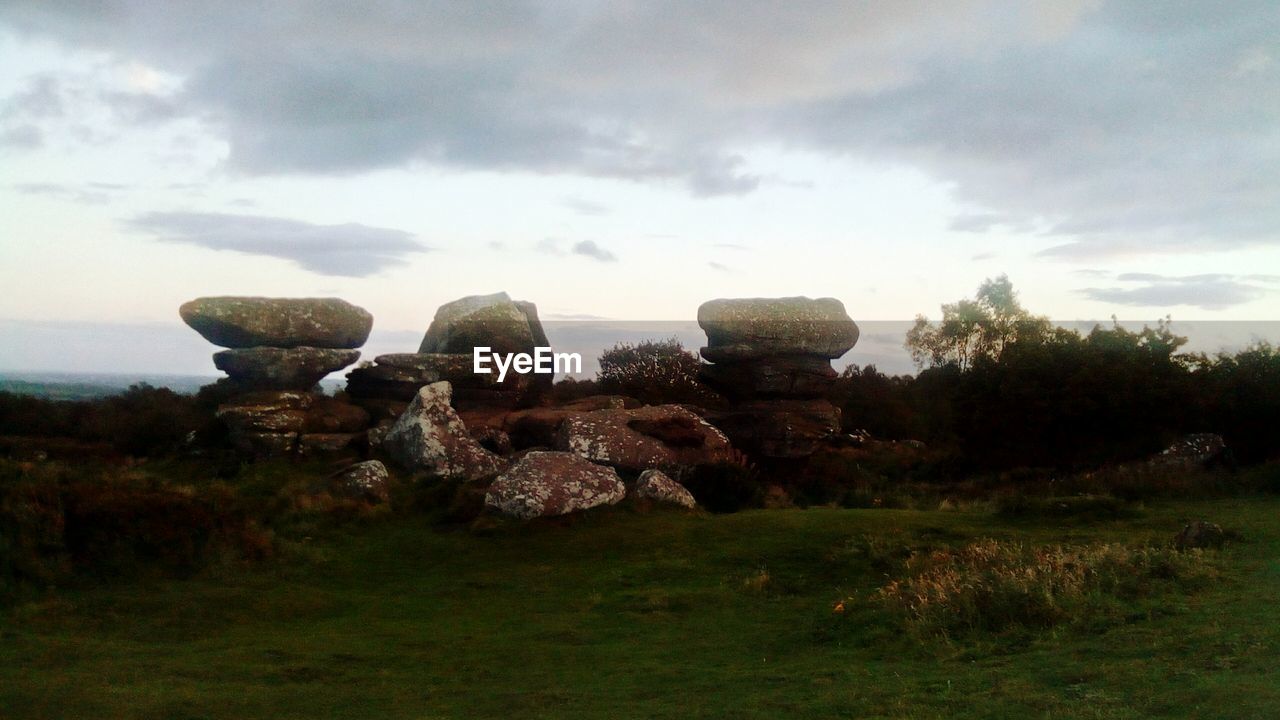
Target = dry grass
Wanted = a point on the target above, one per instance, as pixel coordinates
(992, 585)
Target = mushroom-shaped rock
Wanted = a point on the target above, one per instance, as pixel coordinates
(753, 328)
(547, 483)
(296, 368)
(655, 485)
(430, 437)
(654, 436)
(493, 321)
(245, 322)
(365, 481)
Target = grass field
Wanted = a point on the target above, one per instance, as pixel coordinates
(621, 614)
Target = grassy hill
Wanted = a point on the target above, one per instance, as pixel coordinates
(625, 614)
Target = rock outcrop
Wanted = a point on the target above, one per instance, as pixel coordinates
(771, 357)
(547, 483)
(446, 354)
(279, 348)
(269, 423)
(656, 486)
(430, 438)
(655, 436)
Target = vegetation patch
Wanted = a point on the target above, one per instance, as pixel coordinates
(993, 585)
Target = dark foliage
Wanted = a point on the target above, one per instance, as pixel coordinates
(724, 488)
(141, 421)
(655, 372)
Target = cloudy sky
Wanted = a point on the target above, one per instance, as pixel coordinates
(632, 160)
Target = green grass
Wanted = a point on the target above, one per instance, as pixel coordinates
(619, 614)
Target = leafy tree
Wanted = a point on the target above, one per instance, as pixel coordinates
(972, 330)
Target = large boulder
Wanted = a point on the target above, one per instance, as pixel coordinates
(655, 436)
(494, 321)
(544, 484)
(296, 368)
(430, 437)
(754, 328)
(284, 422)
(245, 322)
(656, 486)
(397, 376)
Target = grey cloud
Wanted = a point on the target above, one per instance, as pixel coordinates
(585, 207)
(1118, 128)
(23, 137)
(717, 266)
(348, 250)
(1209, 291)
(86, 193)
(589, 248)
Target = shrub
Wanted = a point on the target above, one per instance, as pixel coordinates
(655, 372)
(723, 487)
(993, 586)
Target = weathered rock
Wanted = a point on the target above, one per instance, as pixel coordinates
(755, 328)
(657, 436)
(1196, 449)
(544, 484)
(430, 437)
(245, 322)
(331, 415)
(655, 485)
(265, 444)
(327, 443)
(365, 481)
(794, 376)
(1200, 534)
(492, 321)
(779, 428)
(398, 377)
(298, 368)
(266, 412)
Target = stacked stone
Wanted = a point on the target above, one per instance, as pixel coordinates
(386, 387)
(278, 349)
(771, 357)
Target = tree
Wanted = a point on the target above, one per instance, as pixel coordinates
(972, 330)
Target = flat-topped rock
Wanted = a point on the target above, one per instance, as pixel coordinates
(245, 322)
(743, 329)
(545, 484)
(298, 368)
(494, 321)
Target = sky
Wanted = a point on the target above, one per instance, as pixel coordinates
(627, 160)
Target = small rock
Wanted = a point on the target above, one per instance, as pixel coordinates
(365, 481)
(1200, 534)
(545, 483)
(655, 485)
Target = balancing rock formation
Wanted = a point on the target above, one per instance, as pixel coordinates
(446, 354)
(279, 348)
(771, 357)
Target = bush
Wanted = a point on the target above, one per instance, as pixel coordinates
(992, 586)
(655, 372)
(724, 487)
(142, 421)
